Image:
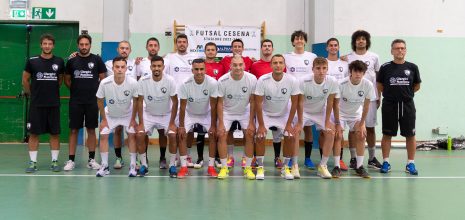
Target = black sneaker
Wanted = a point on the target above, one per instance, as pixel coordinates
(336, 172)
(353, 163)
(374, 163)
(362, 172)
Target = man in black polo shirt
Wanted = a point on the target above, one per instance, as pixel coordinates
(41, 80)
(398, 80)
(83, 75)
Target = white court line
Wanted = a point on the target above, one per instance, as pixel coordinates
(234, 177)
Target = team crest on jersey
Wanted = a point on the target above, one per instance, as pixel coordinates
(360, 93)
(90, 65)
(111, 101)
(191, 99)
(309, 97)
(341, 69)
(229, 96)
(55, 67)
(283, 91)
(344, 99)
(146, 74)
(163, 90)
(307, 62)
(149, 98)
(40, 75)
(176, 69)
(215, 71)
(268, 97)
(367, 63)
(392, 80)
(292, 69)
(130, 68)
(244, 89)
(407, 72)
(77, 73)
(205, 91)
(190, 62)
(325, 91)
(126, 92)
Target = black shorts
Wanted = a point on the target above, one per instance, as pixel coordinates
(398, 113)
(44, 120)
(81, 115)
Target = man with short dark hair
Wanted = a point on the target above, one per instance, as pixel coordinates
(237, 47)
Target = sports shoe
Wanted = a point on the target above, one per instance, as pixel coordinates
(119, 163)
(132, 171)
(137, 165)
(212, 171)
(230, 161)
(410, 168)
(173, 172)
(362, 172)
(385, 168)
(295, 171)
(244, 162)
(248, 173)
(286, 173)
(309, 163)
(69, 165)
(218, 163)
(103, 171)
(92, 164)
(336, 172)
(343, 166)
(198, 164)
(143, 170)
(374, 163)
(54, 166)
(260, 173)
(278, 163)
(353, 163)
(224, 173)
(323, 172)
(183, 172)
(32, 168)
(162, 164)
(189, 161)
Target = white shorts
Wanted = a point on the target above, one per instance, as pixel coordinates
(114, 122)
(191, 120)
(242, 119)
(345, 122)
(371, 120)
(276, 121)
(156, 122)
(317, 119)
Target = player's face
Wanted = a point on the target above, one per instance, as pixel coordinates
(124, 49)
(277, 64)
(319, 72)
(237, 48)
(210, 52)
(398, 50)
(361, 42)
(198, 69)
(181, 45)
(299, 42)
(332, 47)
(84, 46)
(157, 68)
(152, 48)
(119, 68)
(356, 76)
(47, 46)
(237, 66)
(267, 49)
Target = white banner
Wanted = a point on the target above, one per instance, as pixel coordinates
(222, 36)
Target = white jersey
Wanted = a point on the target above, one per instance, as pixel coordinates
(299, 65)
(372, 61)
(316, 95)
(118, 97)
(352, 97)
(338, 69)
(179, 66)
(157, 95)
(236, 93)
(198, 96)
(143, 68)
(131, 71)
(276, 94)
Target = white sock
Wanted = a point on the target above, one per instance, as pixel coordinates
(248, 161)
(410, 161)
(183, 161)
(33, 156)
(189, 151)
(386, 159)
(359, 161)
(104, 156)
(231, 150)
(337, 161)
(353, 152)
(260, 160)
(172, 160)
(371, 152)
(224, 162)
(133, 158)
(295, 160)
(143, 159)
(324, 160)
(286, 161)
(55, 154)
(211, 161)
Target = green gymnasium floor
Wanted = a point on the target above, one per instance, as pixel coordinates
(437, 193)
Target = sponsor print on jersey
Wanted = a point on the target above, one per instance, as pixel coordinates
(399, 81)
(191, 99)
(46, 76)
(83, 74)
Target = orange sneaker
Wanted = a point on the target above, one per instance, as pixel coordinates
(183, 172)
(343, 166)
(212, 172)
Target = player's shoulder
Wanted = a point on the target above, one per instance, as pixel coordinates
(386, 64)
(131, 80)
(107, 80)
(306, 79)
(265, 77)
(344, 81)
(224, 78)
(146, 78)
(310, 54)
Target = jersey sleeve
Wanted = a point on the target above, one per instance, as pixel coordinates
(183, 92)
(370, 92)
(260, 88)
(140, 88)
(100, 92)
(220, 89)
(295, 87)
(101, 65)
(335, 89)
(172, 85)
(61, 69)
(68, 65)
(109, 66)
(376, 64)
(214, 88)
(417, 78)
(135, 90)
(27, 67)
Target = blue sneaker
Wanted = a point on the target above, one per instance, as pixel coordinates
(143, 170)
(173, 172)
(385, 168)
(309, 164)
(410, 168)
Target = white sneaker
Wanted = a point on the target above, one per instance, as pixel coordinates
(295, 171)
(323, 172)
(69, 165)
(218, 164)
(189, 161)
(260, 173)
(198, 165)
(286, 173)
(119, 163)
(103, 171)
(92, 164)
(132, 171)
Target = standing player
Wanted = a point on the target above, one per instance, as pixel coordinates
(260, 68)
(158, 91)
(299, 64)
(42, 78)
(213, 68)
(198, 96)
(120, 91)
(356, 93)
(398, 80)
(272, 95)
(237, 47)
(236, 103)
(361, 42)
(83, 75)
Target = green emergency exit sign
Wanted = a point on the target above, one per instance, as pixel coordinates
(43, 13)
(18, 13)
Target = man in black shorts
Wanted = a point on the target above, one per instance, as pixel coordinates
(398, 80)
(83, 75)
(42, 79)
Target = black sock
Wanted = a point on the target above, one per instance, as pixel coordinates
(308, 148)
(277, 149)
(200, 145)
(118, 152)
(342, 152)
(91, 155)
(162, 152)
(217, 156)
(321, 153)
(71, 157)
